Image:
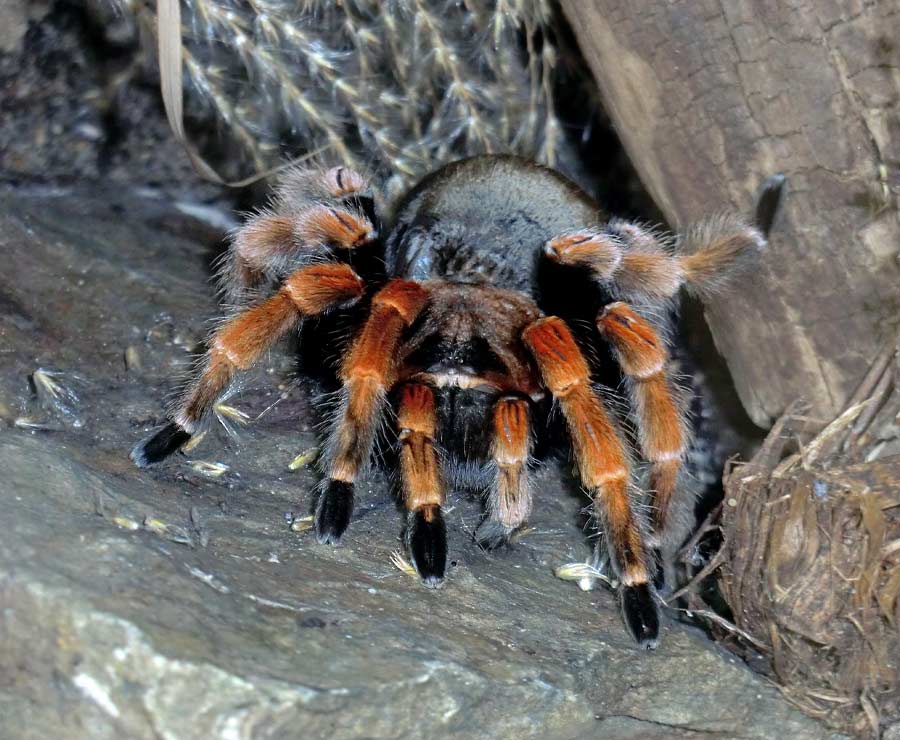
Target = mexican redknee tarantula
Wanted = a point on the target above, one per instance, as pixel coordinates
(497, 292)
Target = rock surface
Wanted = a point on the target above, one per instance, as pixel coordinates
(168, 603)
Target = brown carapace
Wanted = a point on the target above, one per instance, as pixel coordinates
(496, 292)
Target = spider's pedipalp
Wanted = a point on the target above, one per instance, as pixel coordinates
(423, 491)
(661, 429)
(426, 540)
(367, 374)
(242, 340)
(263, 234)
(509, 497)
(603, 467)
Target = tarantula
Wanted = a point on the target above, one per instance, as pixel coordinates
(496, 293)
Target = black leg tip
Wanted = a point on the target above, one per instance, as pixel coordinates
(333, 511)
(641, 615)
(426, 539)
(491, 534)
(159, 445)
(769, 200)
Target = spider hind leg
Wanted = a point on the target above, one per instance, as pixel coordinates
(641, 615)
(662, 432)
(603, 467)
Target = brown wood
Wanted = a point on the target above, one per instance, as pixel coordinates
(710, 98)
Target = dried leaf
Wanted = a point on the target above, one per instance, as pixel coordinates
(874, 523)
(171, 532)
(56, 396)
(193, 442)
(585, 574)
(209, 469)
(132, 358)
(33, 423)
(402, 564)
(305, 458)
(125, 523)
(232, 413)
(303, 524)
(888, 595)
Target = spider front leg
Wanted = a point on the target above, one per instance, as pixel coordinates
(509, 498)
(603, 466)
(661, 429)
(367, 374)
(241, 341)
(314, 211)
(423, 491)
(636, 262)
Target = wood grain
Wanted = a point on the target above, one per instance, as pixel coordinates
(709, 98)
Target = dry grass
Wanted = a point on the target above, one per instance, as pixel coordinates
(397, 86)
(811, 561)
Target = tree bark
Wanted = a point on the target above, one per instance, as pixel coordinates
(709, 98)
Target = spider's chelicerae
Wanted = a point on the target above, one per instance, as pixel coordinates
(496, 293)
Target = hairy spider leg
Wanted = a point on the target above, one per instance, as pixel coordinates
(313, 211)
(269, 239)
(603, 466)
(423, 490)
(634, 259)
(661, 429)
(368, 373)
(509, 497)
(341, 182)
(242, 340)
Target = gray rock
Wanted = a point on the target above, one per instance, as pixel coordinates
(166, 603)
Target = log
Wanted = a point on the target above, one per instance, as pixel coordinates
(709, 98)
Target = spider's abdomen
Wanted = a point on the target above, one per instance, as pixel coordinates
(485, 220)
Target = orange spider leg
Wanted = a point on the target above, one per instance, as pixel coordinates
(368, 373)
(643, 357)
(599, 251)
(267, 240)
(270, 238)
(423, 492)
(603, 466)
(509, 498)
(242, 340)
(638, 262)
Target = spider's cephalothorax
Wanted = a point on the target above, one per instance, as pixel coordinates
(476, 329)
